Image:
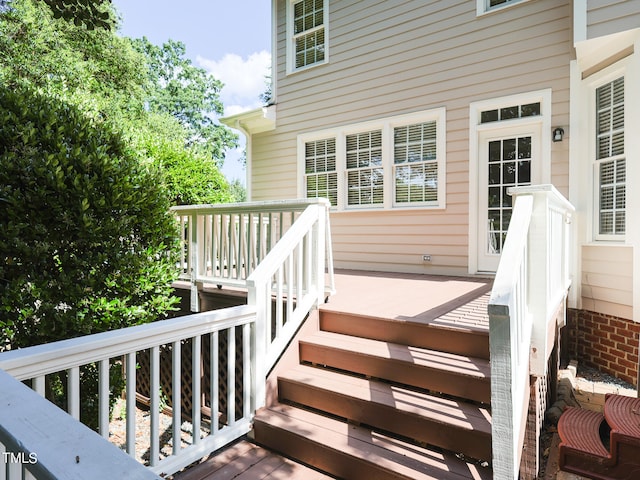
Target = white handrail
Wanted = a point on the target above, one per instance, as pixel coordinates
(123, 346)
(39, 438)
(282, 288)
(224, 244)
(530, 286)
(286, 286)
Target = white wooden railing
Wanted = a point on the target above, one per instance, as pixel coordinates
(530, 287)
(282, 289)
(223, 244)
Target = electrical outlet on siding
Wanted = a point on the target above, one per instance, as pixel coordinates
(426, 258)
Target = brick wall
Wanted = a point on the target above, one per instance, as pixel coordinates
(607, 343)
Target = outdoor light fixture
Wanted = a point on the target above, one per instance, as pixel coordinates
(558, 133)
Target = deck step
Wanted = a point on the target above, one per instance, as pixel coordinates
(452, 374)
(444, 422)
(473, 342)
(581, 450)
(352, 452)
(623, 415)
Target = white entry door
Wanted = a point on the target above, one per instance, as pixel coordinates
(508, 157)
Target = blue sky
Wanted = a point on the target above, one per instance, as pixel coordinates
(229, 39)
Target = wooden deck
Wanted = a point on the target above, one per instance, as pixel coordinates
(247, 461)
(448, 301)
(458, 303)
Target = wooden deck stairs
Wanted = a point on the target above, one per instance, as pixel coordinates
(377, 398)
(604, 445)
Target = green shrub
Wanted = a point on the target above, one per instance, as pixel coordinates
(88, 243)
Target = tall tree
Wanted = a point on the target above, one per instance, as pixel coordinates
(188, 93)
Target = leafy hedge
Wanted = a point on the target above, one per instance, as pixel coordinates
(88, 243)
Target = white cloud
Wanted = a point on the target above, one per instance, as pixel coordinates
(243, 78)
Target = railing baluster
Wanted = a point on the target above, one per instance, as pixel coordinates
(73, 392)
(308, 264)
(3, 467)
(299, 264)
(196, 358)
(130, 392)
(176, 394)
(39, 384)
(208, 246)
(215, 245)
(279, 300)
(154, 431)
(14, 470)
(214, 381)
(103, 397)
(231, 376)
(290, 286)
(246, 370)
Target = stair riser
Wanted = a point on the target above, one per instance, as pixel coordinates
(417, 427)
(398, 371)
(472, 344)
(319, 455)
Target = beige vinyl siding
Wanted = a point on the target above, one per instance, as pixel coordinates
(605, 17)
(393, 58)
(607, 279)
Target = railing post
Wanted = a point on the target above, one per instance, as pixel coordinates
(319, 248)
(256, 296)
(538, 303)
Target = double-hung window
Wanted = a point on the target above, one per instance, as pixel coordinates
(391, 163)
(365, 172)
(610, 163)
(307, 21)
(321, 177)
(485, 6)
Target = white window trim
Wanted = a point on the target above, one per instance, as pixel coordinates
(597, 80)
(386, 125)
(475, 128)
(484, 9)
(291, 56)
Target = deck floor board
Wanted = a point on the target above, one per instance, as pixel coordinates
(247, 461)
(457, 302)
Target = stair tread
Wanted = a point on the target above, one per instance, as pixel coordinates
(454, 363)
(446, 411)
(409, 460)
(623, 414)
(579, 429)
(427, 323)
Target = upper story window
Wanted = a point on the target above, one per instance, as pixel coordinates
(391, 163)
(485, 6)
(307, 20)
(610, 164)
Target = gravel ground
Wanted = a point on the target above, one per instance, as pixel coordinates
(117, 432)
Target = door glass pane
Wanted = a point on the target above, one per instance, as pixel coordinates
(509, 149)
(494, 151)
(509, 166)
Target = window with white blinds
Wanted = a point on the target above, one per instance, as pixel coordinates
(610, 162)
(415, 163)
(365, 173)
(321, 177)
(307, 33)
(389, 163)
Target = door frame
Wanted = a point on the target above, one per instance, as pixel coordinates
(477, 130)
